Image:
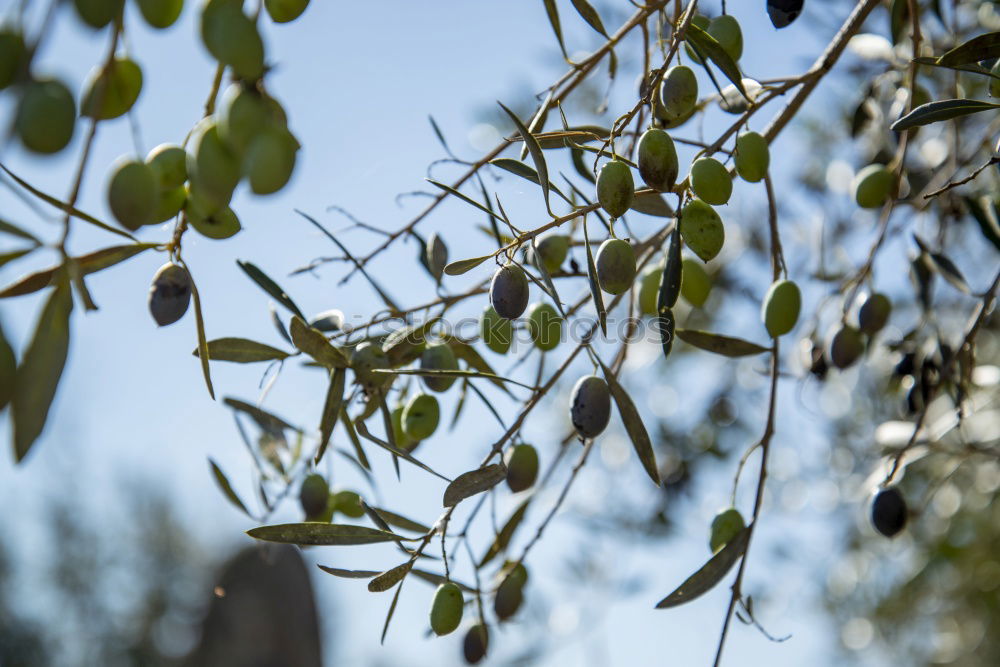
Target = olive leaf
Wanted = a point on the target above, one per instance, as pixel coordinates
(349, 574)
(16, 254)
(468, 200)
(390, 578)
(665, 323)
(670, 280)
(981, 47)
(8, 370)
(265, 420)
(14, 230)
(323, 534)
(595, 290)
(899, 19)
(633, 425)
(352, 435)
(227, 489)
(724, 345)
(331, 409)
(710, 574)
(502, 538)
(269, 286)
(537, 156)
(41, 368)
(985, 213)
(473, 482)
(448, 374)
(553, 13)
(242, 350)
(944, 267)
(590, 15)
(465, 265)
(440, 136)
(406, 343)
(470, 356)
(392, 610)
(89, 263)
(400, 521)
(438, 579)
(519, 168)
(363, 431)
(707, 45)
(315, 344)
(652, 203)
(934, 112)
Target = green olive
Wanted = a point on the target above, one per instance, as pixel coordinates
(590, 406)
(438, 357)
(701, 21)
(243, 115)
(12, 55)
(110, 92)
(522, 467)
(403, 441)
(726, 525)
(169, 204)
(46, 116)
(212, 168)
(169, 163)
(711, 181)
(874, 313)
(780, 310)
(348, 503)
(213, 223)
(497, 332)
(507, 600)
(545, 326)
(283, 11)
(421, 416)
(678, 93)
(702, 229)
(649, 289)
(314, 494)
(615, 264)
(161, 13)
(615, 188)
(873, 186)
(232, 38)
(133, 194)
(696, 284)
(98, 13)
(366, 358)
(846, 346)
(270, 160)
(551, 248)
(446, 609)
(657, 158)
(726, 31)
(752, 157)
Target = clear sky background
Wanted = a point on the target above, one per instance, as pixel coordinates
(358, 81)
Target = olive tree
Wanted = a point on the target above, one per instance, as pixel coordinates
(632, 238)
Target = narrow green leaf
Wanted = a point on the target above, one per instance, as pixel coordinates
(8, 370)
(595, 290)
(474, 360)
(41, 369)
(473, 482)
(242, 350)
(724, 345)
(633, 425)
(392, 610)
(438, 579)
(934, 112)
(264, 419)
(581, 166)
(590, 15)
(89, 263)
(227, 489)
(553, 13)
(537, 156)
(985, 213)
(665, 323)
(64, 207)
(710, 574)
(349, 574)
(502, 539)
(13, 255)
(352, 435)
(974, 68)
(389, 578)
(364, 432)
(899, 19)
(331, 409)
(406, 343)
(400, 521)
(440, 136)
(707, 45)
(322, 534)
(269, 286)
(14, 230)
(448, 374)
(981, 47)
(468, 200)
(316, 345)
(652, 203)
(465, 265)
(199, 321)
(519, 168)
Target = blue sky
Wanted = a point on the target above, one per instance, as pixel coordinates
(358, 81)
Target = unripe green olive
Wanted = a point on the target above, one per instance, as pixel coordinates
(889, 512)
(497, 332)
(696, 284)
(169, 204)
(169, 294)
(243, 115)
(314, 495)
(590, 406)
(169, 163)
(701, 21)
(615, 264)
(348, 503)
(160, 13)
(403, 441)
(649, 289)
(678, 93)
(522, 467)
(873, 186)
(476, 643)
(133, 194)
(110, 92)
(509, 291)
(270, 160)
(219, 223)
(726, 31)
(702, 229)
(551, 248)
(710, 181)
(12, 55)
(508, 598)
(98, 13)
(46, 116)
(726, 525)
(283, 11)
(846, 346)
(368, 357)
(421, 416)
(438, 357)
(545, 326)
(657, 158)
(615, 188)
(874, 313)
(780, 310)
(752, 157)
(232, 38)
(513, 573)
(446, 609)
(211, 167)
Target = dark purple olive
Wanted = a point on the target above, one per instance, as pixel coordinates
(889, 512)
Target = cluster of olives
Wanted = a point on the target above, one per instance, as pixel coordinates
(319, 503)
